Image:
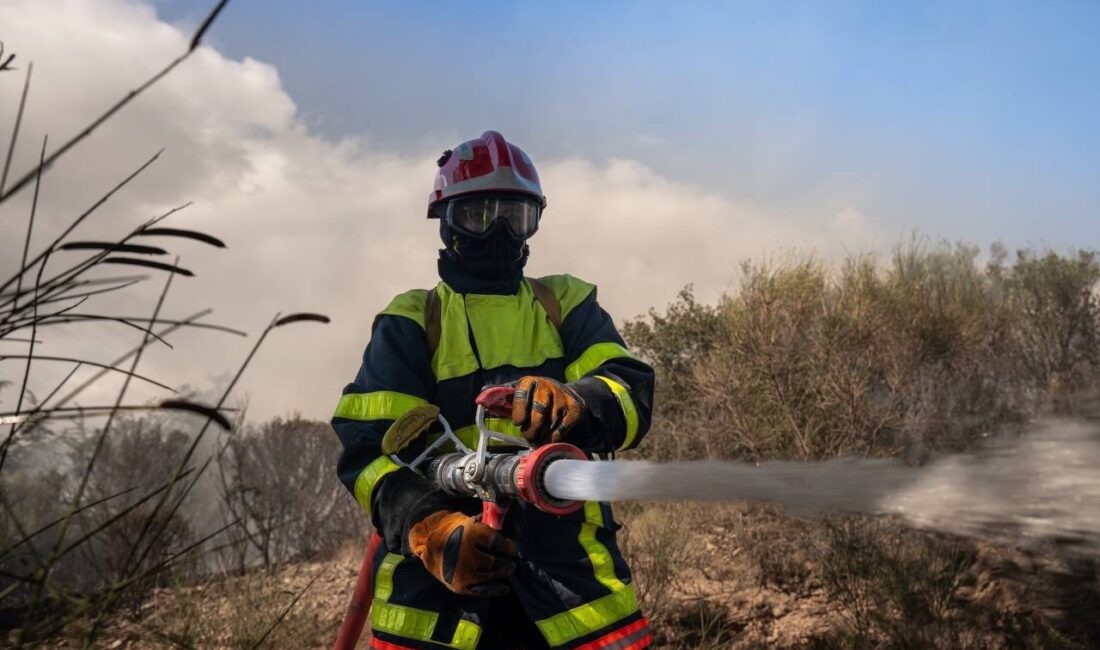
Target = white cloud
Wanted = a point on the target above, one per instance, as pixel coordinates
(312, 224)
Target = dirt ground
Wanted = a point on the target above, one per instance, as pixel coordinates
(733, 577)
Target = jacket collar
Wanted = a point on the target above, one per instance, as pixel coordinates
(462, 280)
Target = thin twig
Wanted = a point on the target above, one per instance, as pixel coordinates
(84, 215)
(26, 538)
(107, 426)
(106, 367)
(7, 295)
(34, 326)
(87, 294)
(64, 278)
(289, 607)
(64, 380)
(165, 332)
(73, 412)
(73, 318)
(277, 321)
(30, 221)
(68, 319)
(15, 130)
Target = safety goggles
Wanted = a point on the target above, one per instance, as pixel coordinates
(476, 215)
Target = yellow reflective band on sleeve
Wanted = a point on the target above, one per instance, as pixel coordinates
(468, 435)
(630, 414)
(592, 616)
(589, 617)
(377, 405)
(410, 622)
(595, 356)
(364, 484)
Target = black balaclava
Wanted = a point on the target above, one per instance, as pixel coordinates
(498, 256)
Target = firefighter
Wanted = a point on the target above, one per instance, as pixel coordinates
(441, 577)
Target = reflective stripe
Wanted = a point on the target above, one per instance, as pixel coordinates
(377, 405)
(410, 622)
(602, 564)
(630, 414)
(466, 635)
(409, 305)
(595, 356)
(590, 617)
(383, 579)
(364, 484)
(569, 291)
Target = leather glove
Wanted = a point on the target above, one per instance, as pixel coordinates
(467, 556)
(545, 409)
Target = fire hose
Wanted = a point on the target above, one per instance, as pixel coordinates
(496, 478)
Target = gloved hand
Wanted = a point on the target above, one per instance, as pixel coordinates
(545, 409)
(467, 556)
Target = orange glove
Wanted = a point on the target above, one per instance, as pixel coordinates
(545, 409)
(467, 556)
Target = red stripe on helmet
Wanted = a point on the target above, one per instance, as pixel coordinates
(486, 164)
(499, 148)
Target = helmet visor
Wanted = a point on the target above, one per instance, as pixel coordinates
(475, 215)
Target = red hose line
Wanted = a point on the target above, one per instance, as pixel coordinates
(352, 627)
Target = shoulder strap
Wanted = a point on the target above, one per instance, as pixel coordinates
(548, 301)
(432, 321)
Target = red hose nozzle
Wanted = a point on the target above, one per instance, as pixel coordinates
(531, 473)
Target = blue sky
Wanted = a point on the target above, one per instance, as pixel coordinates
(963, 120)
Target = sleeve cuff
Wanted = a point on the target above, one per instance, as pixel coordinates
(401, 499)
(604, 428)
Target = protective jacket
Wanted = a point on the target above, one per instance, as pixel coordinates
(571, 578)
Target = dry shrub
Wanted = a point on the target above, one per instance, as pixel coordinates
(783, 549)
(900, 588)
(925, 354)
(701, 624)
(896, 586)
(277, 481)
(139, 455)
(657, 554)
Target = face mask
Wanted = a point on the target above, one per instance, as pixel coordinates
(496, 255)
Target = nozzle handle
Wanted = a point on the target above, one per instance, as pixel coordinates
(497, 400)
(492, 514)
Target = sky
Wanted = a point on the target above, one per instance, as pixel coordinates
(674, 140)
